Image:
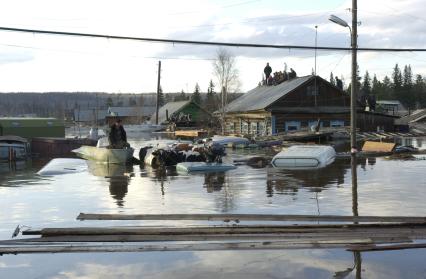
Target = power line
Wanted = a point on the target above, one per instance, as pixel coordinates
(173, 41)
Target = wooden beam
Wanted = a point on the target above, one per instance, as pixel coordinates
(252, 245)
(373, 247)
(253, 217)
(299, 238)
(402, 227)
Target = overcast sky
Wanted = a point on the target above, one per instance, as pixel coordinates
(33, 62)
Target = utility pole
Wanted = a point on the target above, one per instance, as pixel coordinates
(157, 104)
(315, 72)
(354, 86)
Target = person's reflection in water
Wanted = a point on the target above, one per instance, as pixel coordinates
(118, 187)
(214, 181)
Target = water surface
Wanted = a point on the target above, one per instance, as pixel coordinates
(385, 187)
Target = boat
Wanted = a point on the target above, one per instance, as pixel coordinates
(59, 166)
(304, 157)
(13, 148)
(230, 140)
(105, 155)
(204, 167)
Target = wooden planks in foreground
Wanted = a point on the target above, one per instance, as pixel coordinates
(386, 233)
(252, 217)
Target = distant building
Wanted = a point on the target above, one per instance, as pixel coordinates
(129, 115)
(32, 127)
(294, 105)
(183, 113)
(89, 116)
(391, 107)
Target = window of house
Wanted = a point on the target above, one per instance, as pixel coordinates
(230, 128)
(292, 126)
(261, 128)
(244, 127)
(253, 128)
(337, 123)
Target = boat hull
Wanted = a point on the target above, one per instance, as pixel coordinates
(105, 155)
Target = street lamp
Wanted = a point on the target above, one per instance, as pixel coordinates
(353, 33)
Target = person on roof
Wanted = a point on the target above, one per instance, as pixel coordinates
(267, 71)
(292, 74)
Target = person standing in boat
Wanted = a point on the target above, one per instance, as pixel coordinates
(117, 136)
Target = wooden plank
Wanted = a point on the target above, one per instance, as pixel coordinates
(372, 146)
(191, 133)
(245, 237)
(225, 229)
(252, 245)
(252, 217)
(372, 247)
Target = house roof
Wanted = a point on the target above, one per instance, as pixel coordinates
(263, 96)
(416, 116)
(170, 107)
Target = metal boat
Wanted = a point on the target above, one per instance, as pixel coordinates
(304, 157)
(105, 155)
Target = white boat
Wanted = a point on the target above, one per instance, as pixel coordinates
(225, 140)
(304, 157)
(59, 166)
(204, 167)
(13, 148)
(105, 155)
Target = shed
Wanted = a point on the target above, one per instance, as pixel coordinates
(32, 127)
(183, 113)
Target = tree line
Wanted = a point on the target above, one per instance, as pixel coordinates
(401, 85)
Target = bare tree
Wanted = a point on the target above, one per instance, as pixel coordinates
(226, 72)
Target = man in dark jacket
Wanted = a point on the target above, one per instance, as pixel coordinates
(267, 71)
(117, 136)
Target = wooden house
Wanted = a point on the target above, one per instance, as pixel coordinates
(183, 114)
(293, 105)
(289, 106)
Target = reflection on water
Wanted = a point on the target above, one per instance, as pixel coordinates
(119, 177)
(365, 186)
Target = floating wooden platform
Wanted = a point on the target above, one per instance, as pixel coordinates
(389, 233)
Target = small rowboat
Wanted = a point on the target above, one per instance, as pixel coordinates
(105, 155)
(204, 167)
(304, 157)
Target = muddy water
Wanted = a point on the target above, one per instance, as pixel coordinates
(385, 187)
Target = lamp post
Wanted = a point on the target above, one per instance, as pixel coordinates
(353, 32)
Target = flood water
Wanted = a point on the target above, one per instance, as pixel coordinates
(384, 187)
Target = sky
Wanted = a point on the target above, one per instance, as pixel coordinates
(40, 63)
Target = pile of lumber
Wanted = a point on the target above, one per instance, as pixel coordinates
(354, 233)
